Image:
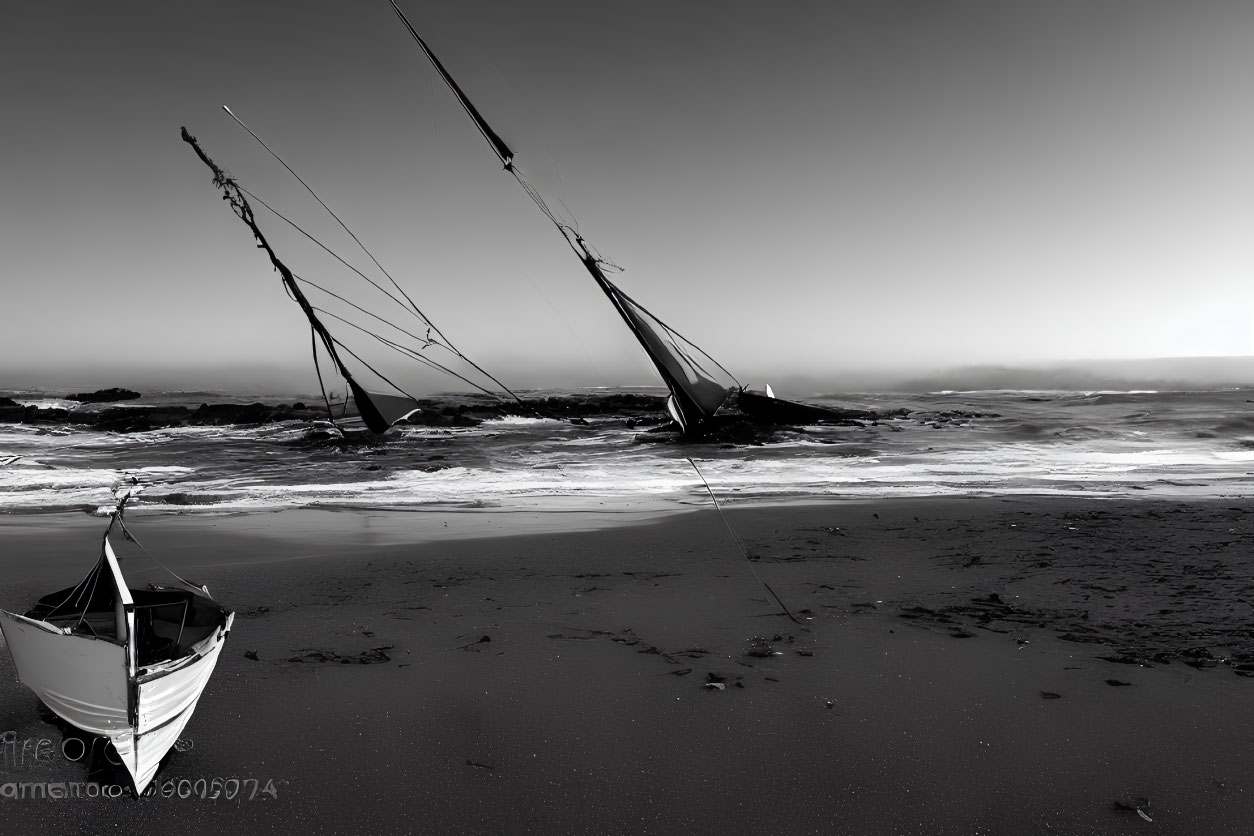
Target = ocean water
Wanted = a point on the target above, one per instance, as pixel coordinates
(1196, 444)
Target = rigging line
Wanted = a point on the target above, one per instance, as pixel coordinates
(336, 256)
(114, 516)
(337, 219)
(242, 209)
(407, 352)
(95, 574)
(588, 254)
(549, 302)
(544, 207)
(240, 206)
(562, 188)
(404, 349)
(740, 545)
(506, 155)
(490, 377)
(677, 334)
(592, 252)
(633, 319)
(376, 372)
(568, 231)
(76, 593)
(447, 342)
(177, 576)
(682, 347)
(313, 340)
(351, 304)
(501, 150)
(94, 580)
(444, 341)
(395, 346)
(574, 224)
(536, 197)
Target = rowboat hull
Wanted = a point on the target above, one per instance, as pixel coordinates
(98, 671)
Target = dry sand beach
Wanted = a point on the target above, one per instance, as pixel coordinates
(992, 665)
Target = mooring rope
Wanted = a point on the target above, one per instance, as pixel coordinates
(740, 545)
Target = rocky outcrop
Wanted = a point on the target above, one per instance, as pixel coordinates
(631, 410)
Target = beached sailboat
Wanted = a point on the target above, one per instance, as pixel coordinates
(699, 386)
(127, 664)
(379, 411)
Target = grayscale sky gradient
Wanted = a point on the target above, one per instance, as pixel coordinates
(804, 189)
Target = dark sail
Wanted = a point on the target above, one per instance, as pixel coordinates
(696, 394)
(385, 410)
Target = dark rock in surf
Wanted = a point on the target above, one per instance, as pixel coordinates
(644, 412)
(229, 413)
(448, 416)
(763, 409)
(34, 415)
(104, 396)
(136, 419)
(11, 411)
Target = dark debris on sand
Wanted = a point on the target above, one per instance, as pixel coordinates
(1143, 583)
(373, 656)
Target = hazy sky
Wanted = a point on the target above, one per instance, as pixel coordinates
(801, 188)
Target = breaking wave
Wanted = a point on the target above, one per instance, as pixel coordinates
(950, 443)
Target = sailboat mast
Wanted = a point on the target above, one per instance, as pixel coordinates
(498, 144)
(239, 205)
(691, 413)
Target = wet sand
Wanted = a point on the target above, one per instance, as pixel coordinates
(1020, 665)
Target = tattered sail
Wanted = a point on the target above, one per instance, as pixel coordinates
(125, 664)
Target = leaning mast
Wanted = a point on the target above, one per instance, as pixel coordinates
(690, 405)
